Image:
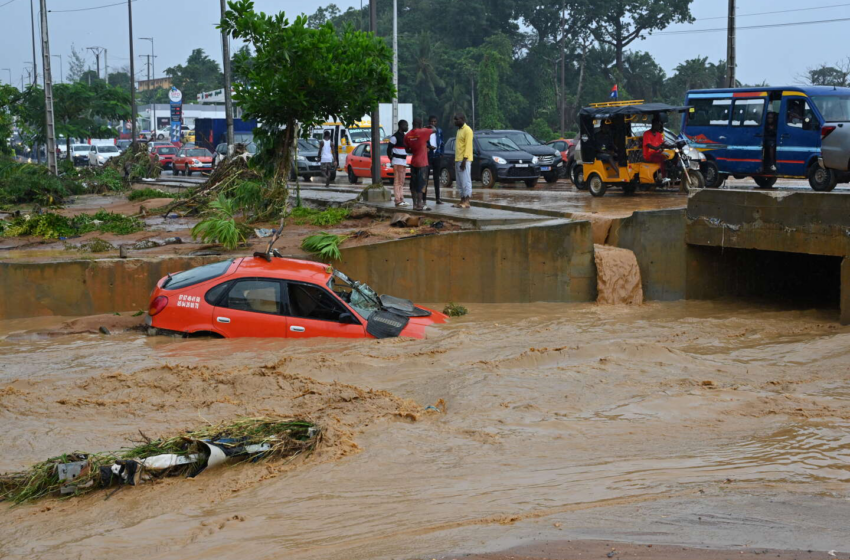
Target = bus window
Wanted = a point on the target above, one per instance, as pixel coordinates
(710, 112)
(748, 112)
(799, 114)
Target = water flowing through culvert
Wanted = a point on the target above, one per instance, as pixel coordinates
(617, 276)
(548, 407)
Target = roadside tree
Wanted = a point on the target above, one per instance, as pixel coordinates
(199, 74)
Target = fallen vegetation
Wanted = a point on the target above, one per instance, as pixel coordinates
(455, 310)
(324, 245)
(322, 218)
(149, 193)
(55, 226)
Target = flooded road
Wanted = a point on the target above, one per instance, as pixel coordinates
(554, 421)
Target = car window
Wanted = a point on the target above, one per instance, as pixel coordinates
(450, 146)
(107, 149)
(166, 151)
(358, 152)
(258, 296)
(308, 301)
(214, 294)
(799, 114)
(196, 275)
(492, 144)
(201, 152)
(709, 112)
(748, 112)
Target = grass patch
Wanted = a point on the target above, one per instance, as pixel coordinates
(54, 226)
(148, 193)
(321, 218)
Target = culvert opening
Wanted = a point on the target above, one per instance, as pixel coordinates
(789, 280)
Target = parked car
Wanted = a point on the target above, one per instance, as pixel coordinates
(188, 160)
(278, 297)
(122, 145)
(100, 154)
(494, 159)
(834, 162)
(80, 153)
(188, 136)
(567, 148)
(548, 158)
(166, 155)
(358, 164)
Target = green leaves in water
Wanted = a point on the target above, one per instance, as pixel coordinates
(324, 245)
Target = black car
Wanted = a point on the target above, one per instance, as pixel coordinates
(494, 159)
(548, 159)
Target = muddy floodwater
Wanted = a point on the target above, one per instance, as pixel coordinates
(710, 424)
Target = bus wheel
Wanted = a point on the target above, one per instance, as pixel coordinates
(596, 185)
(765, 182)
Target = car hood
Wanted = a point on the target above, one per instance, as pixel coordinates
(540, 150)
(511, 155)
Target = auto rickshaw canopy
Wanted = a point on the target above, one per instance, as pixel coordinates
(624, 108)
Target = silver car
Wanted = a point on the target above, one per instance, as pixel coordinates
(834, 162)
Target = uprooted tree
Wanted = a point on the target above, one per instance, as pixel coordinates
(298, 77)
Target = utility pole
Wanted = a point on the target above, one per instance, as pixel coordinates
(148, 88)
(97, 51)
(563, 67)
(228, 101)
(395, 65)
(152, 76)
(731, 55)
(105, 68)
(376, 118)
(132, 75)
(48, 91)
(61, 71)
(34, 65)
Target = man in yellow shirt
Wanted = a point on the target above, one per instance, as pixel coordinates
(463, 160)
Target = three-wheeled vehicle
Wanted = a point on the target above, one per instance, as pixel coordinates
(613, 155)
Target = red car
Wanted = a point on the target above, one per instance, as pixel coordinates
(166, 155)
(191, 159)
(277, 297)
(359, 163)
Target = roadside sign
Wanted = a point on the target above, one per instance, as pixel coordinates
(176, 97)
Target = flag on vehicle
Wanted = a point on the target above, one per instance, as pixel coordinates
(614, 92)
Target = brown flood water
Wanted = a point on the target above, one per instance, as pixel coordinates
(550, 410)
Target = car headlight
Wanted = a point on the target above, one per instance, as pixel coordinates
(196, 162)
(534, 160)
(388, 165)
(497, 159)
(101, 159)
(557, 154)
(301, 158)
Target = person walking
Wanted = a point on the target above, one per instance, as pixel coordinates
(397, 152)
(328, 159)
(435, 156)
(463, 160)
(417, 142)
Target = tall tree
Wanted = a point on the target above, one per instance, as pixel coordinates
(76, 65)
(8, 97)
(825, 75)
(622, 22)
(199, 74)
(299, 77)
(121, 78)
(494, 65)
(323, 16)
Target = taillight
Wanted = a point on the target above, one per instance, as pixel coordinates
(826, 131)
(157, 305)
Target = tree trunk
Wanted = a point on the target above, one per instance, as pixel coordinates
(619, 46)
(581, 74)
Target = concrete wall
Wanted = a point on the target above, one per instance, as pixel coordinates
(84, 287)
(551, 262)
(657, 239)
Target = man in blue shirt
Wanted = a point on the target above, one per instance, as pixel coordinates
(435, 155)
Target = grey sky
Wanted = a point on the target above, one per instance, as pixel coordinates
(776, 55)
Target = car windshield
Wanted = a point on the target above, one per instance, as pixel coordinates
(166, 151)
(498, 145)
(361, 297)
(834, 108)
(252, 148)
(199, 152)
(107, 149)
(523, 139)
(359, 135)
(82, 148)
(307, 146)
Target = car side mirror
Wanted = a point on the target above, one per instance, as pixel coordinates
(346, 318)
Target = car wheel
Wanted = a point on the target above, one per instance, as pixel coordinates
(307, 178)
(765, 182)
(551, 177)
(596, 185)
(445, 178)
(711, 174)
(578, 177)
(531, 183)
(352, 178)
(822, 180)
(173, 170)
(488, 178)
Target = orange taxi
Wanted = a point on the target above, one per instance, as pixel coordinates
(359, 163)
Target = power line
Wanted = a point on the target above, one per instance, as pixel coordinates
(7, 3)
(778, 12)
(766, 26)
(89, 9)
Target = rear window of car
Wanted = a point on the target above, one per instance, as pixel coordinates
(198, 153)
(166, 151)
(197, 275)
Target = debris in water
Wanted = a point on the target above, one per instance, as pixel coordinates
(454, 310)
(263, 232)
(104, 330)
(146, 244)
(404, 220)
(174, 241)
(187, 454)
(617, 276)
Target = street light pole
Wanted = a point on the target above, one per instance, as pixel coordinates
(376, 120)
(61, 71)
(152, 76)
(395, 65)
(228, 101)
(731, 54)
(132, 75)
(34, 65)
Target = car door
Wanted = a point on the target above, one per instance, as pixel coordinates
(314, 311)
(799, 134)
(363, 160)
(449, 157)
(477, 156)
(746, 149)
(252, 307)
(177, 159)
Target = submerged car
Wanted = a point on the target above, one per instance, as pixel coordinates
(263, 296)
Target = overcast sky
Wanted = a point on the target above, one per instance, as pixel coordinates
(777, 55)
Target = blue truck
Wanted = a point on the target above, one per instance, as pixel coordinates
(209, 133)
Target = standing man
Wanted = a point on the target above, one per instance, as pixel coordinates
(435, 156)
(417, 142)
(397, 152)
(328, 159)
(463, 160)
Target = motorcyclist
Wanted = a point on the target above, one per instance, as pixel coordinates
(653, 146)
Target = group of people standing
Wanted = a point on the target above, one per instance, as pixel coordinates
(425, 144)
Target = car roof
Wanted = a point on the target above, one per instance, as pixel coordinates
(495, 131)
(290, 269)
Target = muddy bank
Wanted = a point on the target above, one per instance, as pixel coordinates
(617, 276)
(706, 424)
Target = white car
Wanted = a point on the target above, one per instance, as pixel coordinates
(99, 155)
(80, 153)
